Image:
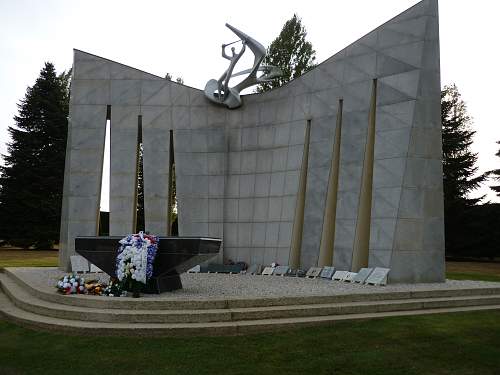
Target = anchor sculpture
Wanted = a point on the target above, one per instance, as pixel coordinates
(218, 91)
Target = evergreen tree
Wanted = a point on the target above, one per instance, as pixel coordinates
(31, 181)
(495, 174)
(459, 170)
(290, 52)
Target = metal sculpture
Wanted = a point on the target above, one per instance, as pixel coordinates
(218, 91)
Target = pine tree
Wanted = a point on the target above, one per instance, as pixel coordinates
(495, 174)
(290, 52)
(31, 181)
(459, 170)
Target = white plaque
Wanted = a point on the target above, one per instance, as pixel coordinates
(349, 276)
(94, 268)
(313, 272)
(79, 264)
(195, 269)
(362, 275)
(327, 272)
(378, 276)
(339, 275)
(268, 271)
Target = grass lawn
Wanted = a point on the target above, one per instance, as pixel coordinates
(473, 271)
(28, 258)
(458, 344)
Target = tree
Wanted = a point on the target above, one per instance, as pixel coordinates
(31, 181)
(459, 170)
(495, 174)
(169, 77)
(290, 52)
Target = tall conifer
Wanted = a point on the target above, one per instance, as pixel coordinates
(495, 174)
(31, 180)
(459, 170)
(290, 52)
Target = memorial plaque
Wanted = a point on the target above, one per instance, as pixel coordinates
(339, 275)
(195, 269)
(362, 275)
(350, 275)
(79, 264)
(94, 268)
(327, 272)
(268, 271)
(313, 272)
(378, 276)
(281, 270)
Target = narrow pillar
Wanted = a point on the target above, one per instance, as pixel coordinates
(298, 222)
(171, 180)
(138, 171)
(328, 233)
(362, 235)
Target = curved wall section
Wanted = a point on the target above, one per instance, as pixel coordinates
(238, 172)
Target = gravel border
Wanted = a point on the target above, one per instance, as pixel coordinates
(222, 286)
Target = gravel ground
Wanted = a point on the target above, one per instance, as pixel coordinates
(220, 286)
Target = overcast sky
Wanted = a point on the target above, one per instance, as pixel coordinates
(184, 38)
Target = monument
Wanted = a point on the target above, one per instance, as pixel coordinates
(340, 167)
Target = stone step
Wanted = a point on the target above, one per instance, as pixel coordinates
(12, 313)
(28, 302)
(162, 303)
(23, 300)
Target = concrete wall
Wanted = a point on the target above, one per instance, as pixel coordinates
(238, 171)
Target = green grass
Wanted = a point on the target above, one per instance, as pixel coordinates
(42, 262)
(472, 276)
(458, 344)
(28, 258)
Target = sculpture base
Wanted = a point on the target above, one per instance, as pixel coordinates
(174, 256)
(165, 283)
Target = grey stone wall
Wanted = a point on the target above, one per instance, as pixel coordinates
(237, 171)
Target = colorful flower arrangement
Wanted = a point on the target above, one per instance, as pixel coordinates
(134, 262)
(75, 284)
(71, 284)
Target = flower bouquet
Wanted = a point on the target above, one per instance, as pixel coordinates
(71, 284)
(134, 262)
(114, 289)
(94, 287)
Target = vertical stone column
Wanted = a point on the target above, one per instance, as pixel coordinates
(123, 181)
(156, 131)
(298, 222)
(328, 232)
(362, 235)
(82, 178)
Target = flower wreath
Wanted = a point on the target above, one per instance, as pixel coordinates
(135, 257)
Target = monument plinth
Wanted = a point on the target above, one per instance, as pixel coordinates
(174, 256)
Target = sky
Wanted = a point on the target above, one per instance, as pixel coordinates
(183, 38)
